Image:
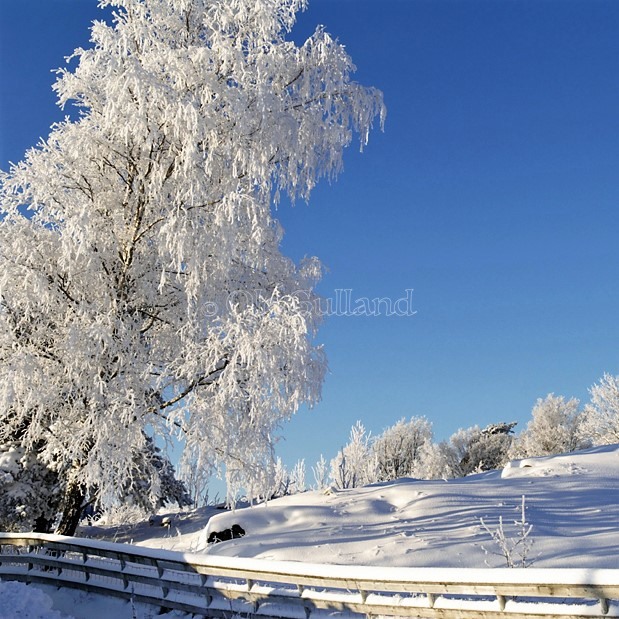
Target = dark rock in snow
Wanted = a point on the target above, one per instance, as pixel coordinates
(233, 532)
(160, 521)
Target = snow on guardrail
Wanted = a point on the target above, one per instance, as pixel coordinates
(216, 586)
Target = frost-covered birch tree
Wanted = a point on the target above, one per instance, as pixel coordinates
(142, 288)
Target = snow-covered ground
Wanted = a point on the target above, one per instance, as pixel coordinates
(572, 506)
(20, 601)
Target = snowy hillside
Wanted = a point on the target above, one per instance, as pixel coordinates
(572, 505)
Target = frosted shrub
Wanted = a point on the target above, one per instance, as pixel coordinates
(29, 491)
(436, 461)
(321, 474)
(601, 415)
(399, 447)
(355, 464)
(123, 514)
(511, 541)
(555, 428)
(468, 451)
(297, 478)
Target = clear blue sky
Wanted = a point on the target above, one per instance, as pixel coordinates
(492, 193)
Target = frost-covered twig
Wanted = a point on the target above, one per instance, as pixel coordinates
(514, 548)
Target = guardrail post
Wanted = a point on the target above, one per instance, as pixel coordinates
(84, 561)
(501, 600)
(604, 606)
(123, 563)
(431, 599)
(29, 550)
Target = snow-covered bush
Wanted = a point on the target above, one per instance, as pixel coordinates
(436, 461)
(398, 449)
(153, 483)
(355, 463)
(487, 449)
(195, 474)
(601, 414)
(555, 427)
(321, 474)
(280, 484)
(467, 451)
(297, 478)
(459, 445)
(30, 491)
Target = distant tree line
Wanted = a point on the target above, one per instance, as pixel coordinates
(408, 449)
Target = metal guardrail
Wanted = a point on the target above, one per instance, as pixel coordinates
(214, 586)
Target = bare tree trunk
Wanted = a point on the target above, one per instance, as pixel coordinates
(72, 504)
(43, 525)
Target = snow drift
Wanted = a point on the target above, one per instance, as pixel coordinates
(571, 500)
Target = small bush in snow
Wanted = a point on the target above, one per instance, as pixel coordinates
(512, 542)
